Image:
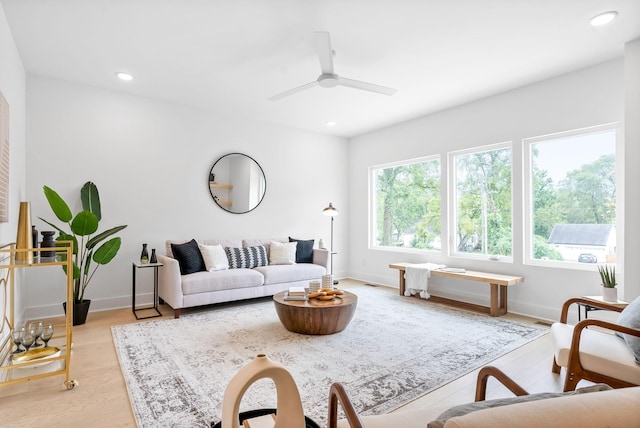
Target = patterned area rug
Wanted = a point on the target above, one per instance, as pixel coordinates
(395, 350)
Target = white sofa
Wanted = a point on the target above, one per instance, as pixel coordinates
(205, 288)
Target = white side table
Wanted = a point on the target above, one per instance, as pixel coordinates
(135, 267)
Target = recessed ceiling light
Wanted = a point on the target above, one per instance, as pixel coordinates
(330, 123)
(603, 18)
(124, 76)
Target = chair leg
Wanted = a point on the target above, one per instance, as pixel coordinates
(176, 313)
(555, 368)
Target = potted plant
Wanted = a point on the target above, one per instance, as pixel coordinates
(89, 250)
(608, 277)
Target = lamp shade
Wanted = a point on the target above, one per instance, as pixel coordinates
(330, 211)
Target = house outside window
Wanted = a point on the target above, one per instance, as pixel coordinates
(481, 201)
(406, 204)
(570, 198)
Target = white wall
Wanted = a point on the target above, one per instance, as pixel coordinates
(12, 85)
(151, 163)
(632, 172)
(584, 98)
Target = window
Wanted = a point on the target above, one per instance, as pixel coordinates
(570, 202)
(406, 204)
(481, 201)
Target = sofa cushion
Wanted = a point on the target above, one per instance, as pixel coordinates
(188, 257)
(223, 242)
(630, 317)
(266, 243)
(276, 274)
(203, 282)
(304, 251)
(282, 253)
(246, 257)
(215, 258)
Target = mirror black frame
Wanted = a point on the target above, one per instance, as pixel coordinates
(221, 203)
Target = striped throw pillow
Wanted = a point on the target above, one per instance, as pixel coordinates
(246, 257)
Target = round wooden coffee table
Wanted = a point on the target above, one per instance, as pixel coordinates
(316, 316)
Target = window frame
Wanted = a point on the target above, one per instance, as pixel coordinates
(372, 226)
(527, 193)
(453, 203)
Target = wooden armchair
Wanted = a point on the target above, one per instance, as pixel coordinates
(338, 395)
(592, 354)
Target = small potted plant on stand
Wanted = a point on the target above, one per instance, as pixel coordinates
(88, 255)
(608, 277)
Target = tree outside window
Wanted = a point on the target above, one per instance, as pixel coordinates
(572, 204)
(482, 200)
(407, 204)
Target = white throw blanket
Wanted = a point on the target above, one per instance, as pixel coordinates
(416, 278)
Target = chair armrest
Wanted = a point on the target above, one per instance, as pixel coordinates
(337, 394)
(595, 304)
(321, 257)
(483, 376)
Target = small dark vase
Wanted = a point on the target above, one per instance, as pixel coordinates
(47, 242)
(154, 258)
(34, 235)
(144, 257)
(80, 311)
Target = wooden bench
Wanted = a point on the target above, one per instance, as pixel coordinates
(497, 283)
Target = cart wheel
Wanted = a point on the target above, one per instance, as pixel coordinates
(70, 384)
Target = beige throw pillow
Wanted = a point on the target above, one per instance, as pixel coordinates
(214, 257)
(282, 253)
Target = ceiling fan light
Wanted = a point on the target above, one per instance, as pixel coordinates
(603, 18)
(124, 76)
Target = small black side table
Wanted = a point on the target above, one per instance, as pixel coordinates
(596, 299)
(135, 267)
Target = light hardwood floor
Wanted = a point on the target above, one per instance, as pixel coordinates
(101, 399)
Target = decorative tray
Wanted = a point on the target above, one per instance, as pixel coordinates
(36, 354)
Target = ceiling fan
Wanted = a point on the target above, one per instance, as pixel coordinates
(328, 79)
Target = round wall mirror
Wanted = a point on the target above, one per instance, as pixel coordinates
(237, 183)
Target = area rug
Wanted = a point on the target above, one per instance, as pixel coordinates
(395, 350)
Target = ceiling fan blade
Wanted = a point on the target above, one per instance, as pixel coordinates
(323, 48)
(293, 91)
(357, 84)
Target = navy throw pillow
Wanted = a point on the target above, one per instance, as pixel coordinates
(304, 250)
(189, 257)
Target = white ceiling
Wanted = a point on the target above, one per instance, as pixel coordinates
(230, 55)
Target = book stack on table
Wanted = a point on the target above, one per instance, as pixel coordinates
(296, 293)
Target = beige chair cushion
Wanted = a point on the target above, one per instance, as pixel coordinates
(615, 408)
(599, 351)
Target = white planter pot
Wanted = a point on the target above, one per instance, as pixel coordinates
(609, 294)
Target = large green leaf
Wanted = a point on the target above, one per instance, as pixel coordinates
(107, 251)
(66, 237)
(84, 223)
(87, 263)
(91, 199)
(98, 238)
(58, 205)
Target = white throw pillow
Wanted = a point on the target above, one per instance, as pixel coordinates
(214, 257)
(282, 253)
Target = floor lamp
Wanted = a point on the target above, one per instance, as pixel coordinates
(331, 212)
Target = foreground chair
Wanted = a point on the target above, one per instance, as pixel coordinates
(593, 354)
(600, 407)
